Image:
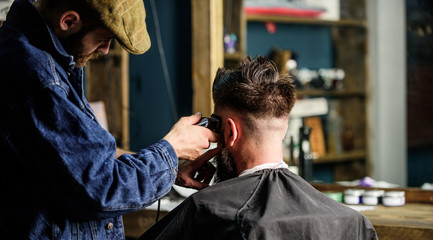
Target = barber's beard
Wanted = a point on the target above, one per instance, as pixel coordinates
(73, 45)
(226, 168)
(82, 59)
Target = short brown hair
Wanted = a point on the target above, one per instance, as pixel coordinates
(255, 88)
(52, 9)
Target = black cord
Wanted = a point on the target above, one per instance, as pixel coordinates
(157, 211)
(163, 60)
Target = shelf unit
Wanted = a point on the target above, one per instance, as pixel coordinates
(349, 37)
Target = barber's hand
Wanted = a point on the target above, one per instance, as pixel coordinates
(186, 176)
(189, 140)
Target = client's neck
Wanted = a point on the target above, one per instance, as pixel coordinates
(254, 153)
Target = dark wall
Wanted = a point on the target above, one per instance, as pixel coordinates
(419, 17)
(151, 114)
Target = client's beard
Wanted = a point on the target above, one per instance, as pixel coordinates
(226, 168)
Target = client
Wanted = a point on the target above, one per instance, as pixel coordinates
(256, 196)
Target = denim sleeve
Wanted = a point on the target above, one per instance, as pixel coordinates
(72, 160)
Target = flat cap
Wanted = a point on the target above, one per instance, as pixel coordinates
(127, 20)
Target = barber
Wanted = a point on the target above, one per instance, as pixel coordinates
(62, 176)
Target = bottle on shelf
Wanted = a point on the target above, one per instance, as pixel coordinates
(305, 158)
(334, 129)
(347, 137)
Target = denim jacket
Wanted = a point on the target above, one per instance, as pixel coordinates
(59, 177)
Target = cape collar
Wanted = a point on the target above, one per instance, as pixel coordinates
(274, 165)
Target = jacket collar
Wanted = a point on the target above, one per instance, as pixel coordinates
(24, 16)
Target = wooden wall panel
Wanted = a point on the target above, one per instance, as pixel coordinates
(207, 51)
(107, 80)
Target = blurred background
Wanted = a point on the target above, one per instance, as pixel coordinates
(363, 71)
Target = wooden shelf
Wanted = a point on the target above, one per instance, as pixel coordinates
(338, 158)
(342, 157)
(413, 195)
(234, 56)
(312, 21)
(329, 93)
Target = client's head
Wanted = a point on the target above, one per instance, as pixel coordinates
(254, 103)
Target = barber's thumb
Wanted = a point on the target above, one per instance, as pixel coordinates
(195, 117)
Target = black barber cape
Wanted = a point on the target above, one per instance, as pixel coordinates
(268, 204)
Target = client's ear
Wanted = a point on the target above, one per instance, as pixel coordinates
(69, 22)
(233, 134)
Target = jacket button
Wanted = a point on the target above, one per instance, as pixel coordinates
(109, 226)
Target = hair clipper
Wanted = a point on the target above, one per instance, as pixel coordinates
(213, 123)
